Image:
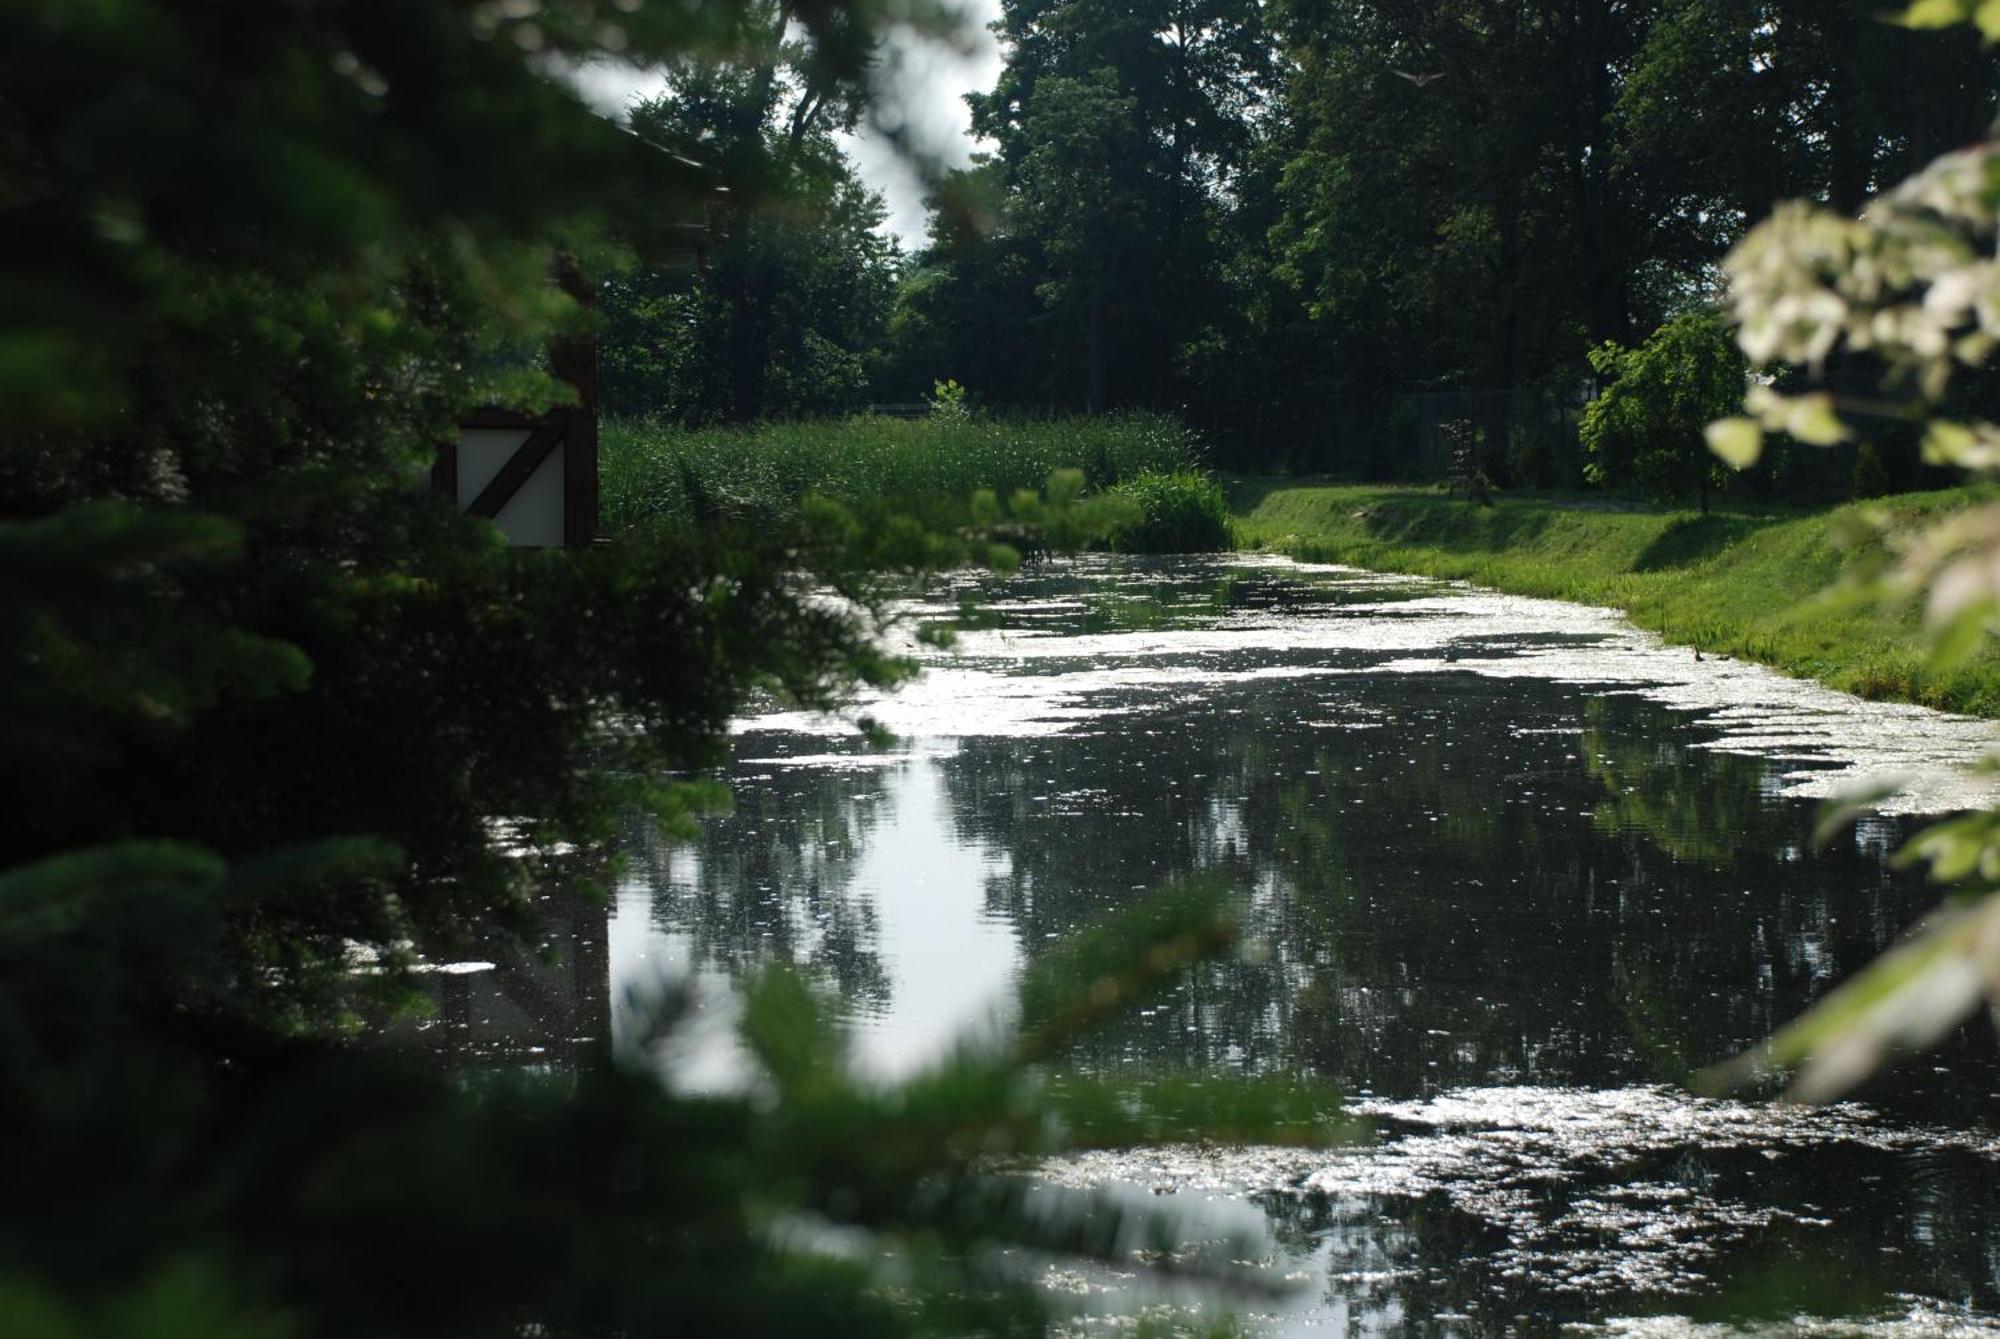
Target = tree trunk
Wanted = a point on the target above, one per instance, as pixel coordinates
(1496, 412)
(1097, 356)
(1600, 233)
(749, 347)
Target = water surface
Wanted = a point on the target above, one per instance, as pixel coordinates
(1512, 871)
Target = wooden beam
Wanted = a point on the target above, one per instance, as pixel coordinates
(580, 480)
(575, 361)
(502, 418)
(444, 474)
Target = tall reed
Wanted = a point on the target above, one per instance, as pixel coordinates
(653, 471)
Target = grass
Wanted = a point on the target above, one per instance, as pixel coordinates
(1183, 512)
(1764, 586)
(927, 467)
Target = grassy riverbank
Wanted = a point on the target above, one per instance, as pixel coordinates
(925, 467)
(1763, 586)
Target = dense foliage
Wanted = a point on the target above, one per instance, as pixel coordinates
(1184, 511)
(1644, 431)
(1907, 287)
(281, 730)
(1315, 229)
(244, 311)
(791, 302)
(929, 466)
(1307, 224)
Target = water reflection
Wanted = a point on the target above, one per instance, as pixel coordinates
(842, 866)
(545, 1005)
(1511, 872)
(773, 879)
(1453, 880)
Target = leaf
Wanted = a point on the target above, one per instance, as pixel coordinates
(1811, 419)
(54, 896)
(1935, 13)
(1954, 849)
(1961, 638)
(1738, 441)
(1903, 1001)
(303, 869)
(1103, 1112)
(788, 1031)
(677, 805)
(107, 536)
(1948, 443)
(1109, 966)
(1064, 487)
(1837, 814)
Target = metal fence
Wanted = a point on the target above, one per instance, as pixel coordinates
(1543, 448)
(1540, 426)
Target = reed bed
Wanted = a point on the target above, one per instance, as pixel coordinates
(654, 472)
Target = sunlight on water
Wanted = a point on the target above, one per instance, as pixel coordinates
(998, 682)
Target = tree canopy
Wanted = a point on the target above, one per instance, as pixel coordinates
(1288, 220)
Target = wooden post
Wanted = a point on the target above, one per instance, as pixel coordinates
(572, 430)
(576, 362)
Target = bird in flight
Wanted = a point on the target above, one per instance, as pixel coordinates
(1420, 80)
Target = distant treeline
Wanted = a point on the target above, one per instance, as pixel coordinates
(1315, 228)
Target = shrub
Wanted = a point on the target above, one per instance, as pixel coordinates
(1644, 432)
(947, 401)
(1871, 472)
(1184, 511)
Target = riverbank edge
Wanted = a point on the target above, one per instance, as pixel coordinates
(1773, 587)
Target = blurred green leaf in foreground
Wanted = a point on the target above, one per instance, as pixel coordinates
(278, 727)
(327, 1191)
(1910, 287)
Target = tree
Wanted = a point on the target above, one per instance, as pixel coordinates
(1077, 199)
(279, 727)
(224, 391)
(1119, 132)
(797, 289)
(1644, 430)
(1436, 228)
(1574, 172)
(670, 348)
(967, 305)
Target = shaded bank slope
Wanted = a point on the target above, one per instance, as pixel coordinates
(1764, 586)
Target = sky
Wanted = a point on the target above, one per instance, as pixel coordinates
(923, 83)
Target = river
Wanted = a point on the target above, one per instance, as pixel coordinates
(1512, 871)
